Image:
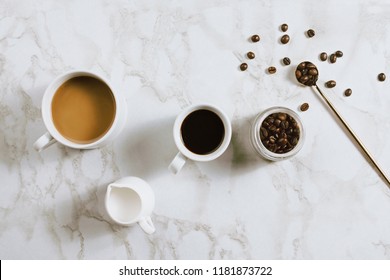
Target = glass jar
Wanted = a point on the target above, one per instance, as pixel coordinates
(258, 145)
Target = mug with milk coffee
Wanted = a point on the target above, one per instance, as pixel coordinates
(81, 110)
(201, 133)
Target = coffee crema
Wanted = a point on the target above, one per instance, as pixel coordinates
(83, 109)
(202, 132)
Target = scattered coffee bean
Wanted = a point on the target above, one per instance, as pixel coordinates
(255, 38)
(285, 39)
(272, 70)
(243, 66)
(284, 27)
(323, 56)
(339, 53)
(279, 133)
(310, 33)
(286, 61)
(330, 84)
(251, 55)
(304, 107)
(306, 73)
(348, 92)
(381, 77)
(333, 58)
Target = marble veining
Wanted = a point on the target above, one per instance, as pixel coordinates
(325, 203)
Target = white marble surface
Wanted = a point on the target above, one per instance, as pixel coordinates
(325, 203)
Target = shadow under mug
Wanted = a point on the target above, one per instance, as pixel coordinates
(53, 135)
(184, 152)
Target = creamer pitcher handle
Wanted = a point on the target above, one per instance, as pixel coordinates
(177, 163)
(147, 225)
(44, 141)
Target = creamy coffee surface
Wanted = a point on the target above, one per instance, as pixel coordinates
(83, 109)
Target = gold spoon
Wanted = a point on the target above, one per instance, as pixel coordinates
(307, 74)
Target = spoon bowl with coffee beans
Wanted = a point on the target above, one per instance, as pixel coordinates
(307, 74)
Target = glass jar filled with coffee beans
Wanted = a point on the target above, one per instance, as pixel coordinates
(277, 133)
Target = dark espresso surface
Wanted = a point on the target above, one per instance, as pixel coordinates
(202, 132)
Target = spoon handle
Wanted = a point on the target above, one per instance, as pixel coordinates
(358, 141)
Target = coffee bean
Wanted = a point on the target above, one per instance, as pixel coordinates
(263, 133)
(282, 136)
(255, 38)
(286, 61)
(285, 39)
(304, 79)
(332, 58)
(313, 72)
(273, 148)
(284, 124)
(339, 53)
(323, 56)
(272, 128)
(243, 66)
(304, 107)
(330, 84)
(348, 92)
(282, 141)
(298, 74)
(284, 27)
(310, 33)
(251, 55)
(281, 116)
(272, 70)
(306, 73)
(381, 77)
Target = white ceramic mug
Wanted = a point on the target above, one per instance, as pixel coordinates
(184, 153)
(131, 200)
(53, 135)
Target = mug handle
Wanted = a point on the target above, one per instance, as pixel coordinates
(177, 163)
(147, 225)
(44, 141)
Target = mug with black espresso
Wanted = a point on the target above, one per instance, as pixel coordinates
(201, 133)
(81, 110)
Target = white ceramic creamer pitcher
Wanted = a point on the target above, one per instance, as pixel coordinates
(131, 200)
